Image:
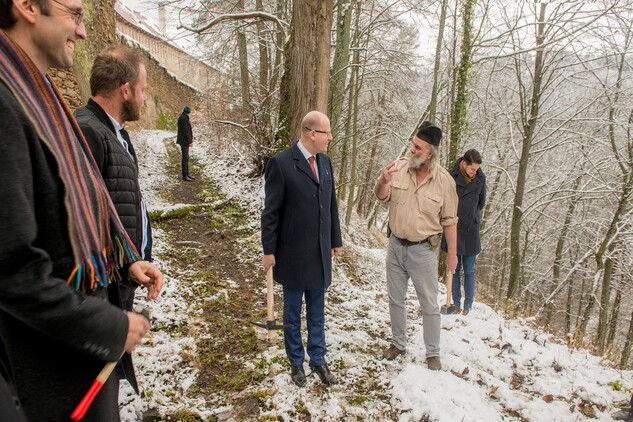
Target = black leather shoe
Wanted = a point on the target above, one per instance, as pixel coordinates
(297, 375)
(324, 373)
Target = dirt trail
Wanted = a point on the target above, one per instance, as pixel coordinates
(210, 247)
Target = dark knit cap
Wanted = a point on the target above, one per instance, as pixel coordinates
(430, 133)
(186, 110)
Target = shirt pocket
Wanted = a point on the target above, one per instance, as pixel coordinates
(399, 191)
(430, 203)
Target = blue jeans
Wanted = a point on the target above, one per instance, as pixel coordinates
(185, 160)
(469, 281)
(315, 320)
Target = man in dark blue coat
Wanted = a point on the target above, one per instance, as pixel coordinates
(300, 235)
(470, 183)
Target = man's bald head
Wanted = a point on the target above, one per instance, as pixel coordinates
(312, 120)
(315, 132)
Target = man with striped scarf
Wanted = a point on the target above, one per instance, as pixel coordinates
(62, 242)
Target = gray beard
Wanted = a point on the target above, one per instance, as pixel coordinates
(414, 162)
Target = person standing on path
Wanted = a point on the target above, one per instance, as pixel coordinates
(470, 182)
(185, 140)
(300, 235)
(62, 241)
(117, 82)
(423, 204)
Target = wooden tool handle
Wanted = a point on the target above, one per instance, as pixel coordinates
(270, 300)
(449, 286)
(85, 403)
(269, 292)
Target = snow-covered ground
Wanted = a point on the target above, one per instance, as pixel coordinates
(493, 369)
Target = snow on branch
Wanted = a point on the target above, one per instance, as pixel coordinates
(240, 16)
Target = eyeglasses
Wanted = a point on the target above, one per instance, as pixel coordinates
(79, 15)
(328, 132)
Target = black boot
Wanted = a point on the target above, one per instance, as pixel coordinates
(324, 373)
(624, 414)
(297, 375)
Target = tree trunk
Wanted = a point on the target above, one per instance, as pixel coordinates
(605, 300)
(570, 298)
(323, 23)
(558, 254)
(436, 66)
(279, 44)
(244, 76)
(581, 328)
(628, 343)
(613, 320)
(340, 63)
(530, 126)
(459, 122)
(353, 170)
(264, 66)
(307, 73)
(343, 176)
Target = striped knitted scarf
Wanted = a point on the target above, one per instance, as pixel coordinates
(99, 242)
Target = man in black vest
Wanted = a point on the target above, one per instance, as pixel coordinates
(185, 140)
(117, 82)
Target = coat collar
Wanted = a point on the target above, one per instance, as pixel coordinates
(100, 113)
(459, 180)
(302, 164)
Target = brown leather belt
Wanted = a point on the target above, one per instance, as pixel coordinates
(405, 242)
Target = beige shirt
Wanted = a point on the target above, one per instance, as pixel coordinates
(417, 212)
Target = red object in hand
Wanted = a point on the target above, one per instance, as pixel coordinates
(85, 403)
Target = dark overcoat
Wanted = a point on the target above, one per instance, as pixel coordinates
(300, 223)
(185, 134)
(472, 198)
(57, 339)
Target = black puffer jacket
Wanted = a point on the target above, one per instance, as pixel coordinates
(119, 171)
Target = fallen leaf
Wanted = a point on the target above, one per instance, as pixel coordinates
(548, 398)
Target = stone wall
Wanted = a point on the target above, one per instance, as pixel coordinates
(165, 94)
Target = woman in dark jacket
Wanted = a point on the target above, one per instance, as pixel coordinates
(470, 182)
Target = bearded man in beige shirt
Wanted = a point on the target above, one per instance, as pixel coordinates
(423, 204)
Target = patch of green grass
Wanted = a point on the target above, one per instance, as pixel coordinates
(300, 408)
(183, 212)
(357, 400)
(184, 415)
(166, 121)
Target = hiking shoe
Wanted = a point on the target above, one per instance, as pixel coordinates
(324, 373)
(297, 375)
(433, 363)
(458, 310)
(392, 352)
(623, 415)
(465, 312)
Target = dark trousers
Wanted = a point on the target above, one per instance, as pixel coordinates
(122, 295)
(185, 160)
(315, 302)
